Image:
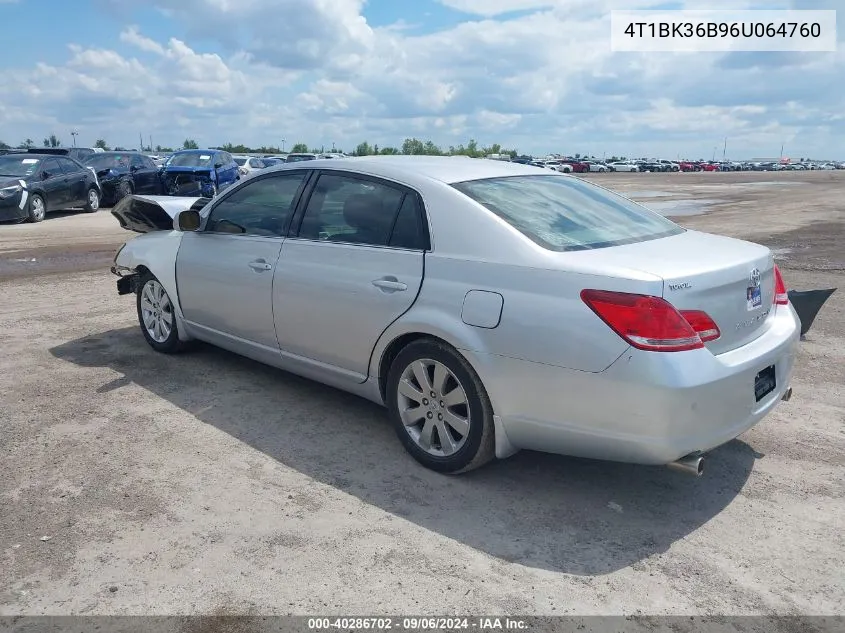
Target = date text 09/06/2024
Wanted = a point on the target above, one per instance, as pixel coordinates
(482, 623)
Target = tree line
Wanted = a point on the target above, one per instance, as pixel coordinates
(410, 146)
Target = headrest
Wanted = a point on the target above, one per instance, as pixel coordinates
(363, 211)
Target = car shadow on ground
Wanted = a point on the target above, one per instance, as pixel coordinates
(545, 511)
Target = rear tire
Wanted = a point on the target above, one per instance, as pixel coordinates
(156, 315)
(123, 190)
(460, 408)
(93, 199)
(37, 208)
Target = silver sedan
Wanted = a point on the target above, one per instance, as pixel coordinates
(490, 306)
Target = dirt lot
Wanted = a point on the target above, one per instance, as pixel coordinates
(132, 482)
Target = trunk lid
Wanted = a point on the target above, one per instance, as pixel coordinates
(712, 273)
(144, 214)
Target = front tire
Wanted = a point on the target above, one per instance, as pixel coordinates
(156, 315)
(37, 208)
(93, 200)
(439, 408)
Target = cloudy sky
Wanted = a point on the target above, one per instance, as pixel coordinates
(535, 75)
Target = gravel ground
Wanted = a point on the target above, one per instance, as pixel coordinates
(136, 483)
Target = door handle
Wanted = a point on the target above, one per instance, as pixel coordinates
(389, 284)
(259, 265)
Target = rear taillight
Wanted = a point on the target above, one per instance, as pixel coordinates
(701, 322)
(645, 322)
(781, 295)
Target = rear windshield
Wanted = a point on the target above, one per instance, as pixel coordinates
(192, 159)
(562, 213)
(109, 161)
(240, 161)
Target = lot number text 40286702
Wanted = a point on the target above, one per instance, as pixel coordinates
(418, 624)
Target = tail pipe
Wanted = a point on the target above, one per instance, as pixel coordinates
(787, 395)
(690, 465)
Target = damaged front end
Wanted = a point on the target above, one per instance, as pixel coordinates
(189, 182)
(144, 214)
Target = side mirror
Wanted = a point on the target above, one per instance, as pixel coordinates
(218, 165)
(134, 168)
(188, 220)
(46, 175)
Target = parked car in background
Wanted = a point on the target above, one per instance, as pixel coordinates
(710, 167)
(272, 162)
(123, 173)
(578, 166)
(32, 185)
(668, 165)
(77, 153)
(248, 164)
(296, 158)
(327, 269)
(650, 165)
(203, 172)
(624, 165)
(595, 166)
(686, 165)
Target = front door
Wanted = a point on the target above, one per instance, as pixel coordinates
(353, 267)
(145, 174)
(225, 270)
(75, 180)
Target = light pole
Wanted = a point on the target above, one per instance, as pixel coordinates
(283, 146)
(74, 134)
(333, 146)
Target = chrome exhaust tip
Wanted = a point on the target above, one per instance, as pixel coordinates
(689, 465)
(787, 394)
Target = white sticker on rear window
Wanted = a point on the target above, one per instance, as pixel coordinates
(29, 161)
(204, 157)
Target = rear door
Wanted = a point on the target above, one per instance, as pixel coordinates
(54, 182)
(76, 179)
(353, 266)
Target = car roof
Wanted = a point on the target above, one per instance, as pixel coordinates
(197, 151)
(445, 169)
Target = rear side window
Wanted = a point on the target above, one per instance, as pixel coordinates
(343, 209)
(561, 213)
(67, 165)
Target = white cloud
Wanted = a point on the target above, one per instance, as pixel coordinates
(542, 80)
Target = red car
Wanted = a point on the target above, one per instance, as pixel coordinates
(689, 166)
(710, 167)
(577, 166)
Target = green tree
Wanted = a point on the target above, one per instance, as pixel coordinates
(27, 144)
(52, 141)
(388, 151)
(299, 148)
(431, 149)
(101, 144)
(190, 144)
(413, 146)
(364, 149)
(5, 145)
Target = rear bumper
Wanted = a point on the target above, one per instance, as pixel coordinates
(648, 408)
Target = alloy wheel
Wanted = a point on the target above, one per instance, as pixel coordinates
(434, 407)
(156, 311)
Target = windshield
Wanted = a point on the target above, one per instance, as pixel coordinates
(293, 158)
(20, 166)
(109, 161)
(561, 213)
(240, 161)
(191, 159)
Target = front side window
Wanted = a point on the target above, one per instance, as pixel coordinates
(344, 209)
(68, 166)
(262, 207)
(567, 214)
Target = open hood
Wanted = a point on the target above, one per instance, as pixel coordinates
(144, 214)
